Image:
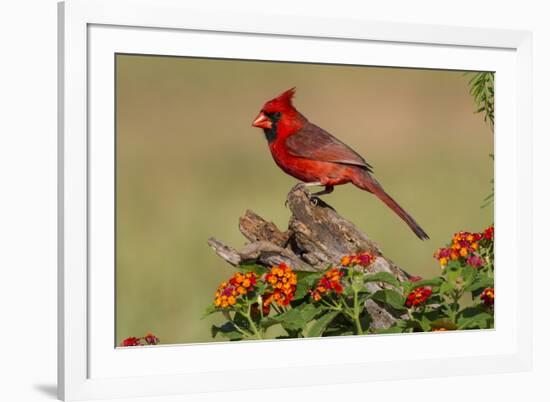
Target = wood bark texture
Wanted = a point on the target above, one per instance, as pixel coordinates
(316, 238)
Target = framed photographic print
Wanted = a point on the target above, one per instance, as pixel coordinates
(331, 199)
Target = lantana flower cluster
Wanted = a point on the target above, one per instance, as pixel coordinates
(464, 247)
(238, 285)
(363, 259)
(282, 282)
(330, 282)
(489, 233)
(148, 339)
(418, 296)
(488, 296)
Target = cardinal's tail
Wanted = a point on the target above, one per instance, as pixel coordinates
(365, 181)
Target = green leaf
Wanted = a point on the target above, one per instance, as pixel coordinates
(365, 319)
(267, 322)
(424, 323)
(446, 287)
(209, 311)
(453, 265)
(470, 312)
(391, 298)
(453, 271)
(240, 320)
(480, 283)
(482, 88)
(298, 318)
(228, 331)
(294, 319)
(414, 325)
(391, 330)
(468, 274)
(318, 327)
(385, 277)
(479, 321)
(306, 281)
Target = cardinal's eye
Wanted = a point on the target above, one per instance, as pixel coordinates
(273, 116)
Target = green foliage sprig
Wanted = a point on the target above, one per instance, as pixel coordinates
(482, 88)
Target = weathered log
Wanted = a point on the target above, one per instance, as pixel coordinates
(317, 237)
(255, 228)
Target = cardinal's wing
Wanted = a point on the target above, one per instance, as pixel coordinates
(312, 142)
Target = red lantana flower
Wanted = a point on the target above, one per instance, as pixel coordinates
(418, 296)
(131, 341)
(444, 254)
(465, 243)
(363, 259)
(330, 282)
(148, 339)
(463, 246)
(488, 296)
(489, 233)
(151, 339)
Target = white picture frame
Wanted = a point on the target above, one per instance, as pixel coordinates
(90, 32)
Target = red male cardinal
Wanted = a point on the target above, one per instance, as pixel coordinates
(317, 158)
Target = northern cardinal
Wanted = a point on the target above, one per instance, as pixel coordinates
(317, 158)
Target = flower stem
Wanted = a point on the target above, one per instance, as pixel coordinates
(356, 312)
(331, 306)
(277, 308)
(252, 325)
(246, 334)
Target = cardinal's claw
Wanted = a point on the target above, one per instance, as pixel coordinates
(312, 197)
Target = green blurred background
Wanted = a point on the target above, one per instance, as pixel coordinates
(189, 164)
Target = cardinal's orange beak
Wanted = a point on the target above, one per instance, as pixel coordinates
(262, 121)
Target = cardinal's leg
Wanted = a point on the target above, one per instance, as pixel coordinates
(314, 197)
(303, 186)
(327, 190)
